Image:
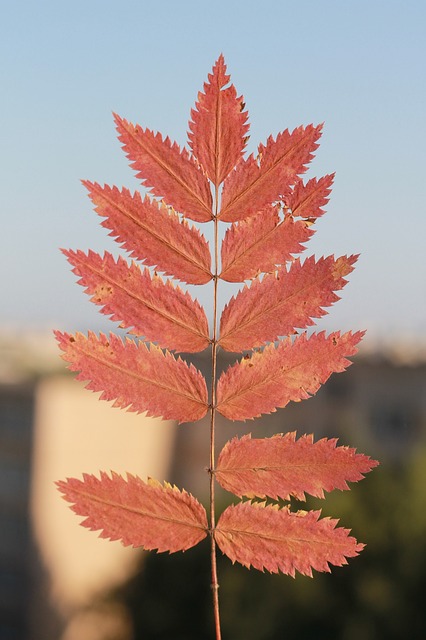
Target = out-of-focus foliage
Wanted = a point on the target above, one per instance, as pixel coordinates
(380, 598)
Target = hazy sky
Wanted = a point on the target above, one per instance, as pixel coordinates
(358, 66)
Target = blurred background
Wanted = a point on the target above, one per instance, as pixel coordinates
(359, 67)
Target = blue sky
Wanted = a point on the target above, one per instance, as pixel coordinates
(357, 66)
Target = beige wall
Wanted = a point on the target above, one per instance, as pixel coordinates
(75, 432)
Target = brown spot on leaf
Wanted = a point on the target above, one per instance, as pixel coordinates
(102, 293)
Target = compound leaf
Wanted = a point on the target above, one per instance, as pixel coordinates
(292, 371)
(218, 129)
(157, 310)
(152, 233)
(281, 466)
(168, 171)
(260, 244)
(148, 515)
(254, 185)
(135, 376)
(266, 537)
(282, 301)
(261, 197)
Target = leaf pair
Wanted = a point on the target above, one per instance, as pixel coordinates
(147, 379)
(161, 517)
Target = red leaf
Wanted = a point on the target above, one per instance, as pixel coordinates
(136, 377)
(153, 234)
(260, 244)
(252, 186)
(282, 301)
(277, 375)
(217, 132)
(139, 514)
(266, 537)
(281, 466)
(154, 309)
(168, 171)
(307, 200)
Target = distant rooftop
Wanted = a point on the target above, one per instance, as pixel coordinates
(26, 356)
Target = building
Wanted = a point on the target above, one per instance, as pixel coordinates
(51, 428)
(16, 543)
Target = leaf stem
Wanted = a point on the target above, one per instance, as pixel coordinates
(214, 583)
